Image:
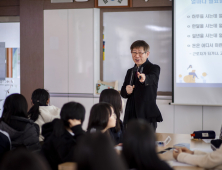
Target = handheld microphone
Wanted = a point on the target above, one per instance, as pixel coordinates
(141, 70)
(132, 75)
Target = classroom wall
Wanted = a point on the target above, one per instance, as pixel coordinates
(9, 8)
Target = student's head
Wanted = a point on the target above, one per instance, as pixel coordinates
(139, 146)
(22, 159)
(40, 97)
(140, 52)
(112, 97)
(102, 117)
(15, 105)
(70, 110)
(95, 151)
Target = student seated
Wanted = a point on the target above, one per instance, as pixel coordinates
(61, 135)
(41, 112)
(22, 159)
(95, 152)
(112, 97)
(102, 118)
(5, 143)
(22, 131)
(199, 158)
(139, 147)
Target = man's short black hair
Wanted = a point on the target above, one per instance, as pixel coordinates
(140, 43)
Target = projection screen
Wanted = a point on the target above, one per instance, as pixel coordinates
(197, 52)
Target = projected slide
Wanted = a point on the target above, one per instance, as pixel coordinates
(198, 43)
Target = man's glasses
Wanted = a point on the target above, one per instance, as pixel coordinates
(140, 53)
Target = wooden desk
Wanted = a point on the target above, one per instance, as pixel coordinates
(175, 139)
(179, 138)
(67, 166)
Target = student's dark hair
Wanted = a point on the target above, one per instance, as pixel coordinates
(99, 116)
(140, 43)
(70, 110)
(112, 97)
(14, 105)
(24, 160)
(139, 146)
(95, 151)
(39, 98)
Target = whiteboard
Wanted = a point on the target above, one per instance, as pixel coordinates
(121, 29)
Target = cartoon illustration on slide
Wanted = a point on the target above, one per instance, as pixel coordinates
(190, 78)
(204, 77)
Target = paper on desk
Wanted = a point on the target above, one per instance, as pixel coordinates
(207, 140)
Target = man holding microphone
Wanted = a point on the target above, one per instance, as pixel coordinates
(140, 87)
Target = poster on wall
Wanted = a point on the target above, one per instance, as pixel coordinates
(11, 84)
(9, 60)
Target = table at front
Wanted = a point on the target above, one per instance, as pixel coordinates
(180, 138)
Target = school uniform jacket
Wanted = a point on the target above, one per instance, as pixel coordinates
(144, 94)
(58, 150)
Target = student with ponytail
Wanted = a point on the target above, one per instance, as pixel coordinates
(40, 111)
(62, 135)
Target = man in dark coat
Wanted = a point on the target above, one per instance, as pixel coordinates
(140, 87)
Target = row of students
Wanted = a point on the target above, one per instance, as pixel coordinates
(95, 151)
(62, 135)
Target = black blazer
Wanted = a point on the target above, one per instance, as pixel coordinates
(144, 94)
(58, 150)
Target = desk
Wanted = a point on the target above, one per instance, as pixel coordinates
(180, 138)
(175, 139)
(67, 166)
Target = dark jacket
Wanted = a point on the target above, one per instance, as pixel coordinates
(5, 143)
(23, 132)
(60, 149)
(117, 136)
(143, 98)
